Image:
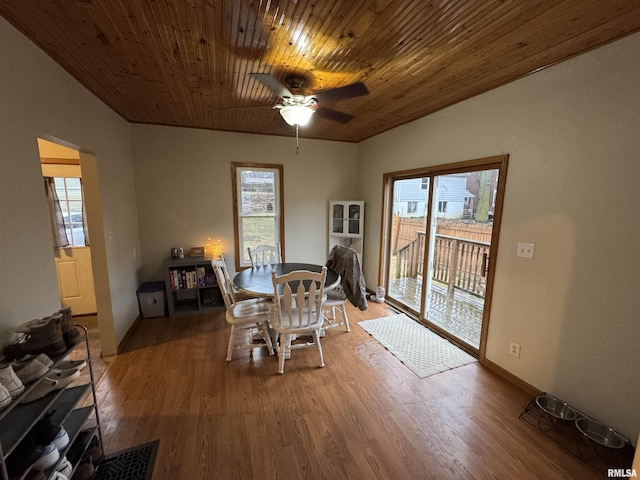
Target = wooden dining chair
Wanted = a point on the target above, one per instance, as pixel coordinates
(297, 299)
(265, 255)
(238, 295)
(344, 261)
(248, 318)
(336, 301)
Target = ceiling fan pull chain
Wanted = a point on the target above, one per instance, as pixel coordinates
(297, 143)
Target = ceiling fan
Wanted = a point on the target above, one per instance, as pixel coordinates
(296, 109)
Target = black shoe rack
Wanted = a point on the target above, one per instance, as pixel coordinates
(75, 408)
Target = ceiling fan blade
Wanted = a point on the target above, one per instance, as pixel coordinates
(342, 93)
(272, 84)
(334, 115)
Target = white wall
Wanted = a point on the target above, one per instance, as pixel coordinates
(37, 98)
(183, 184)
(573, 135)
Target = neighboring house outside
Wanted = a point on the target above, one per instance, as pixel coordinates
(453, 198)
(473, 186)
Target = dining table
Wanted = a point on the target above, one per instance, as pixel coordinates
(256, 281)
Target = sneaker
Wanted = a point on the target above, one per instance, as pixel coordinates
(30, 370)
(42, 389)
(10, 380)
(48, 457)
(29, 456)
(60, 476)
(61, 440)
(5, 397)
(63, 378)
(41, 357)
(45, 432)
(64, 467)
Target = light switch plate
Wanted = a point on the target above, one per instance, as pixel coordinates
(525, 250)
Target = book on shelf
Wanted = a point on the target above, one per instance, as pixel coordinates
(182, 279)
(201, 276)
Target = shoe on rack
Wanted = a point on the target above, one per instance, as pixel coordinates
(64, 467)
(27, 326)
(70, 365)
(31, 369)
(79, 447)
(29, 455)
(70, 333)
(61, 440)
(63, 377)
(34, 475)
(48, 457)
(41, 357)
(5, 397)
(9, 379)
(86, 471)
(43, 388)
(59, 476)
(44, 337)
(94, 450)
(45, 432)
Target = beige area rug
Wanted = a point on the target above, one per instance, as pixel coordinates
(424, 352)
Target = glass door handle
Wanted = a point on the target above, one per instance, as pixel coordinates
(485, 264)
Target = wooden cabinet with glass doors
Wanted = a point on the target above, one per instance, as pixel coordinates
(346, 225)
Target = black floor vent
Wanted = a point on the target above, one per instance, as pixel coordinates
(135, 463)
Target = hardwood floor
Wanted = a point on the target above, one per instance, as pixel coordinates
(363, 416)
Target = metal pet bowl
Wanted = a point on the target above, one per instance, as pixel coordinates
(556, 408)
(599, 433)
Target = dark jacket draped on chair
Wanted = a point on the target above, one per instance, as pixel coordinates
(344, 261)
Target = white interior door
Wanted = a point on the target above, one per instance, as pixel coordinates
(75, 279)
(73, 263)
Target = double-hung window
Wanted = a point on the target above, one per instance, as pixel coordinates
(258, 208)
(69, 192)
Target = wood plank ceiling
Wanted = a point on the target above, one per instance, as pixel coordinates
(187, 63)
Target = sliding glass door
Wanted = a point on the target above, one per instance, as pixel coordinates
(440, 231)
(410, 204)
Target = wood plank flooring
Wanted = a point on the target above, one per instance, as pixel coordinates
(363, 416)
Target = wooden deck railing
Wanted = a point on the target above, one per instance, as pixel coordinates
(457, 262)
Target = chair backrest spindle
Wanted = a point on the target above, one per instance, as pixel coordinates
(265, 255)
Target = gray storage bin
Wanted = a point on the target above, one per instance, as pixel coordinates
(151, 298)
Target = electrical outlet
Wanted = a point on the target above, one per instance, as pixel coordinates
(514, 349)
(525, 250)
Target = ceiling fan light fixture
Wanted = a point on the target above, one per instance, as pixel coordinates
(296, 115)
